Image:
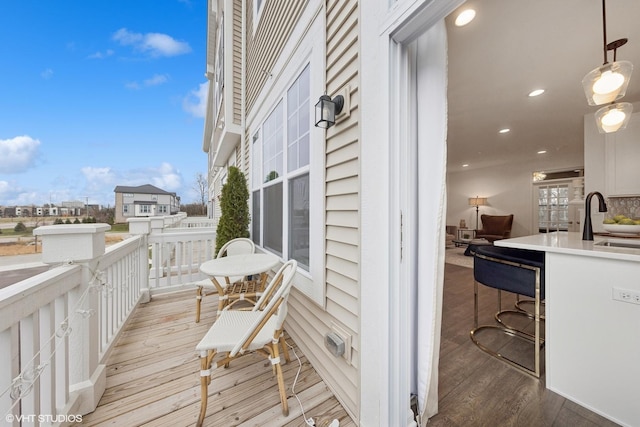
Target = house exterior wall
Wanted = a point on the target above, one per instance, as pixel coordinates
(309, 322)
(237, 61)
(119, 216)
(156, 204)
(274, 47)
(358, 271)
(265, 40)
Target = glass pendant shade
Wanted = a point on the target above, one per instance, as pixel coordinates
(607, 83)
(613, 117)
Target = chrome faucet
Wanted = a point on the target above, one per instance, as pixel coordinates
(587, 231)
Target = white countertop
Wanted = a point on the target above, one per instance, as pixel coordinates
(572, 243)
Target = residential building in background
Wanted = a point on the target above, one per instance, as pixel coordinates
(144, 201)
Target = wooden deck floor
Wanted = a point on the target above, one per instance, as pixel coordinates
(153, 377)
(476, 389)
(153, 380)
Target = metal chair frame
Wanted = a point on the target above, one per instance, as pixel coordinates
(536, 338)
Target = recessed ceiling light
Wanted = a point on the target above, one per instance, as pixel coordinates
(536, 92)
(465, 17)
(505, 130)
(465, 165)
(542, 151)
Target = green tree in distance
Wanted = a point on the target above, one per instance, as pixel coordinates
(234, 205)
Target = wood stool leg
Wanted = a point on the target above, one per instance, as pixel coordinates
(205, 379)
(198, 302)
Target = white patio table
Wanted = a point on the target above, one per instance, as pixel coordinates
(239, 265)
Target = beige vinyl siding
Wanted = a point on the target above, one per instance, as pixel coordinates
(247, 157)
(265, 45)
(211, 40)
(308, 322)
(237, 62)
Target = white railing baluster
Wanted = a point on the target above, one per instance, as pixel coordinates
(57, 328)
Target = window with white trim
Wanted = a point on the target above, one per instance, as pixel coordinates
(553, 206)
(281, 194)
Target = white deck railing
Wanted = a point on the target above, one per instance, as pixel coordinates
(57, 328)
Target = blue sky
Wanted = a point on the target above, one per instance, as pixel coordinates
(100, 93)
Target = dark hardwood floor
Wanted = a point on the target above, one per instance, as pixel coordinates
(476, 389)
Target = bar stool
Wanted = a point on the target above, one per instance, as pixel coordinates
(519, 271)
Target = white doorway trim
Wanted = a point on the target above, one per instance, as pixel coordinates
(385, 382)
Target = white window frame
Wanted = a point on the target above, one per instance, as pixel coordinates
(309, 51)
(284, 176)
(549, 227)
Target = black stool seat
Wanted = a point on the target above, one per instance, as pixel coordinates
(511, 274)
(519, 271)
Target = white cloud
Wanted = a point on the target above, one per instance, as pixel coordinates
(154, 44)
(96, 183)
(47, 74)
(101, 55)
(155, 80)
(103, 175)
(11, 194)
(167, 178)
(132, 85)
(4, 189)
(195, 103)
(18, 154)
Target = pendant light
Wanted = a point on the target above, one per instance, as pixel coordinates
(609, 82)
(613, 117)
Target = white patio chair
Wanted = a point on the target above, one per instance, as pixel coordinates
(238, 246)
(238, 332)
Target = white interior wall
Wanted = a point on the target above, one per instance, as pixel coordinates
(507, 188)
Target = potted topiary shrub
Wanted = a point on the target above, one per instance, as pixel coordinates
(234, 205)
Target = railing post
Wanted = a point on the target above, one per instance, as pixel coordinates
(160, 253)
(81, 244)
(142, 226)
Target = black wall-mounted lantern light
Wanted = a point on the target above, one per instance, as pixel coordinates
(327, 109)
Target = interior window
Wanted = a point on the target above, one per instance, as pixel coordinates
(553, 207)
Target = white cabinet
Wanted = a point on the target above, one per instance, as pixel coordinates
(592, 341)
(622, 160)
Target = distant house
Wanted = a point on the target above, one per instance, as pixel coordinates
(144, 201)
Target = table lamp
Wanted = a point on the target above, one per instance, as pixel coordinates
(477, 202)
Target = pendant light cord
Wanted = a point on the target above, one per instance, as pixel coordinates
(604, 31)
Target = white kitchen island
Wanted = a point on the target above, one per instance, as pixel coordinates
(592, 347)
